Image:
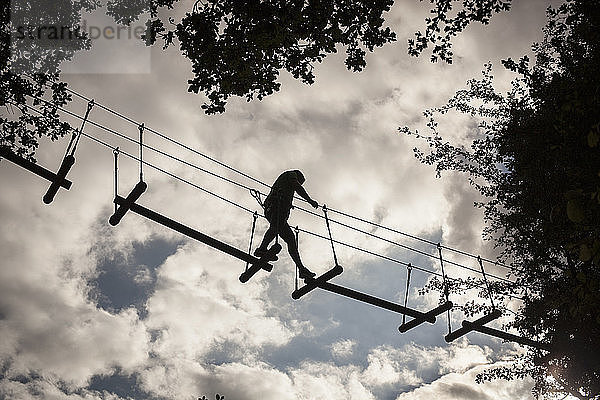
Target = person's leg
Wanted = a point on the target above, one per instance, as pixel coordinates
(268, 238)
(271, 233)
(290, 239)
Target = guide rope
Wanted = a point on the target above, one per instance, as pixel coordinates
(77, 133)
(251, 211)
(330, 237)
(254, 218)
(408, 273)
(298, 207)
(245, 175)
(445, 283)
(116, 155)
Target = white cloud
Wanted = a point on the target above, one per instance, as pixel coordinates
(461, 386)
(342, 133)
(343, 348)
(47, 390)
(199, 301)
(326, 381)
(385, 369)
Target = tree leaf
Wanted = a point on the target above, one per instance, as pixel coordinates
(575, 211)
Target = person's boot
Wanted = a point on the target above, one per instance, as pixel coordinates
(261, 252)
(305, 273)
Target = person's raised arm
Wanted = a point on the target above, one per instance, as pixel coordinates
(300, 190)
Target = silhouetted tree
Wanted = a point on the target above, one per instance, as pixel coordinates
(237, 48)
(446, 22)
(217, 397)
(25, 49)
(536, 161)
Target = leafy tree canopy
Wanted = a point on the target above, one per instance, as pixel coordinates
(236, 48)
(29, 69)
(536, 161)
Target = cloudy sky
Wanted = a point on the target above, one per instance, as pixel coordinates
(90, 311)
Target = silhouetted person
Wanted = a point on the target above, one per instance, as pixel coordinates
(277, 211)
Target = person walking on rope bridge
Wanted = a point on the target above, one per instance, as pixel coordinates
(277, 211)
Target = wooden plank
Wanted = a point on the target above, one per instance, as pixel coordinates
(254, 268)
(313, 283)
(479, 322)
(125, 205)
(65, 166)
(506, 336)
(35, 168)
(433, 313)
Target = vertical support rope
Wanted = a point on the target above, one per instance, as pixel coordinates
(487, 284)
(77, 134)
(141, 129)
(116, 154)
(445, 283)
(255, 217)
(278, 214)
(297, 231)
(330, 237)
(408, 272)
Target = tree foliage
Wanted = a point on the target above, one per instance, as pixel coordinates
(239, 48)
(536, 161)
(446, 22)
(236, 48)
(29, 69)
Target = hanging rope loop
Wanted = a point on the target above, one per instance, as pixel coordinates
(487, 284)
(141, 129)
(77, 133)
(330, 237)
(257, 196)
(445, 283)
(116, 155)
(297, 234)
(408, 273)
(254, 218)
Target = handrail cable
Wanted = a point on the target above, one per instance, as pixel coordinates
(112, 131)
(351, 246)
(237, 171)
(310, 212)
(425, 270)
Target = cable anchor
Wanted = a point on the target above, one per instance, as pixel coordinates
(257, 196)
